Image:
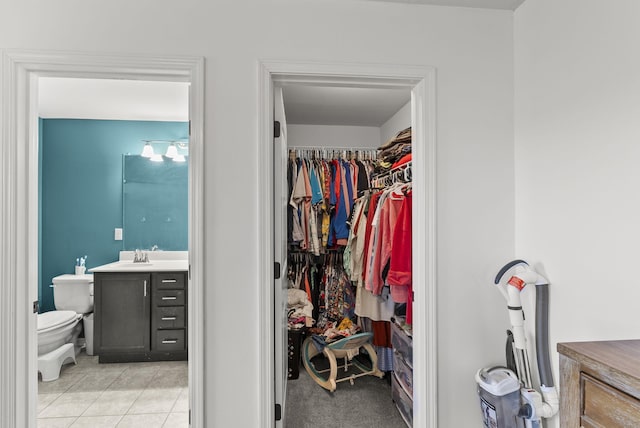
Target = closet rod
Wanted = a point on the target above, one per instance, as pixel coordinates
(406, 167)
(349, 149)
(323, 152)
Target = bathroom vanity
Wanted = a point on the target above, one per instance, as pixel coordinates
(141, 311)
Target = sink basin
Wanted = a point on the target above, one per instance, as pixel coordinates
(128, 265)
(132, 264)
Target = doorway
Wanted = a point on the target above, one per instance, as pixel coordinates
(20, 218)
(421, 82)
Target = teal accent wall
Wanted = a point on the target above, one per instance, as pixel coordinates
(81, 189)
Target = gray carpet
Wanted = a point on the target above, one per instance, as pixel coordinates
(366, 404)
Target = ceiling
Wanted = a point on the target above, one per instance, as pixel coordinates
(321, 105)
(482, 4)
(72, 98)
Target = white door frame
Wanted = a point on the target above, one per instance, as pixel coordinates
(19, 211)
(421, 81)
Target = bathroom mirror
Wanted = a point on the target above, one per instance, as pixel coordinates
(155, 204)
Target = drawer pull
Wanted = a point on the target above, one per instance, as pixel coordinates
(168, 341)
(168, 318)
(164, 281)
(169, 298)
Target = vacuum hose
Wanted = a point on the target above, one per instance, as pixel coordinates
(551, 402)
(542, 335)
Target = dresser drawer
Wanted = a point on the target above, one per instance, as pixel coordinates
(168, 297)
(403, 402)
(170, 340)
(167, 317)
(403, 372)
(170, 280)
(605, 406)
(402, 343)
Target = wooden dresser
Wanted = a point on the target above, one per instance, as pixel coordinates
(600, 384)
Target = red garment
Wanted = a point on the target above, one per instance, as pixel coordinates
(381, 333)
(399, 276)
(373, 203)
(307, 285)
(388, 220)
(404, 159)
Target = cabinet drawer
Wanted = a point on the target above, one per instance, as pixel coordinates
(170, 280)
(402, 343)
(605, 406)
(168, 297)
(167, 317)
(170, 340)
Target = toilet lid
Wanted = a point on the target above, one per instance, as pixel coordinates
(53, 319)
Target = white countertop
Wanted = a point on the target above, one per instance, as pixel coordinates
(159, 261)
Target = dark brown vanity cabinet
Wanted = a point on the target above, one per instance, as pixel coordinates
(140, 316)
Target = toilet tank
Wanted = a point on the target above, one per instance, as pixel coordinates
(73, 293)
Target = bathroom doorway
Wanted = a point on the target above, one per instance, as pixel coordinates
(100, 195)
(22, 126)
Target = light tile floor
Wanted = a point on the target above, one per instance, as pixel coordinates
(95, 395)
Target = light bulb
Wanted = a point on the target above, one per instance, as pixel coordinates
(179, 158)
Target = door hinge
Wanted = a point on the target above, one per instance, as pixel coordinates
(413, 296)
(189, 417)
(276, 129)
(276, 270)
(189, 272)
(36, 307)
(278, 412)
(189, 128)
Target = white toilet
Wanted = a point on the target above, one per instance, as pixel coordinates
(58, 330)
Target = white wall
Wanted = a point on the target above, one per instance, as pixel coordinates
(333, 136)
(396, 123)
(472, 50)
(577, 154)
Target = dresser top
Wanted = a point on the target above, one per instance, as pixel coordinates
(622, 356)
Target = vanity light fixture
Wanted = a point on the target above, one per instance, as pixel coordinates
(147, 150)
(172, 151)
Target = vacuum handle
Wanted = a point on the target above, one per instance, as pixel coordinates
(506, 267)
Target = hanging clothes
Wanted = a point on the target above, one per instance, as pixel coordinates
(323, 190)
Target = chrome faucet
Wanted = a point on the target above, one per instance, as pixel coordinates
(140, 257)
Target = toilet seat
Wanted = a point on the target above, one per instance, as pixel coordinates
(55, 319)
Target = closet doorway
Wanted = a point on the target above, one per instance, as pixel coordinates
(418, 83)
(20, 145)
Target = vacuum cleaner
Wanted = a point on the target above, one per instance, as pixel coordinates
(507, 396)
